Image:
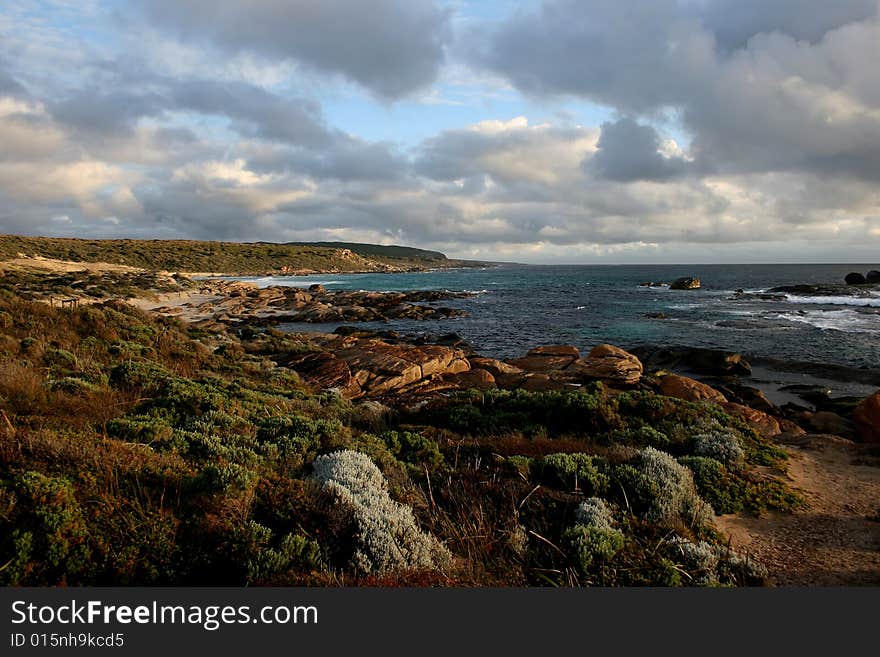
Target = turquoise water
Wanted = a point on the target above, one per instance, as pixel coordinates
(518, 307)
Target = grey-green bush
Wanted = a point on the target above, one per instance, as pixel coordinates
(387, 534)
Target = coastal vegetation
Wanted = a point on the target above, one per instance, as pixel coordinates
(230, 257)
(137, 449)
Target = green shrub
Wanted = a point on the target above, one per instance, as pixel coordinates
(590, 545)
(70, 385)
(51, 544)
(663, 490)
(722, 445)
(576, 471)
(413, 448)
(294, 554)
(145, 428)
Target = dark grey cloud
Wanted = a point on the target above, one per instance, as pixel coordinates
(391, 47)
(255, 112)
(629, 151)
(346, 158)
(734, 22)
(9, 86)
(252, 110)
(596, 48)
(759, 85)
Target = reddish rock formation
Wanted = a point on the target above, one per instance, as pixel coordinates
(472, 379)
(542, 363)
(867, 418)
(608, 363)
(373, 368)
(766, 425)
(682, 387)
(556, 350)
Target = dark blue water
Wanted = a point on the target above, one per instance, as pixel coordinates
(519, 307)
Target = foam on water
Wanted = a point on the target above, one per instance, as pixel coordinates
(847, 321)
(868, 302)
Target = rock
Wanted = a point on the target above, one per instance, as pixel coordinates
(542, 364)
(537, 382)
(696, 359)
(556, 350)
(608, 363)
(830, 423)
(685, 283)
(764, 424)
(790, 429)
(655, 316)
(867, 418)
(495, 367)
(854, 278)
(872, 276)
(323, 370)
(682, 387)
(749, 396)
(471, 380)
(317, 288)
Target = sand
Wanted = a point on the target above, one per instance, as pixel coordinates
(836, 540)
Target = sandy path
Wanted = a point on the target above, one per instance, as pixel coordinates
(834, 542)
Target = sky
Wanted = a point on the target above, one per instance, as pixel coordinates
(544, 131)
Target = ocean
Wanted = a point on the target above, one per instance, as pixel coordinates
(517, 307)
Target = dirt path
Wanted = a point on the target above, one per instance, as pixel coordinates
(834, 542)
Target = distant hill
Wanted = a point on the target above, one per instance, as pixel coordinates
(227, 257)
(380, 250)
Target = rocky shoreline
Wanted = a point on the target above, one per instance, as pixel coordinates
(234, 302)
(393, 370)
(773, 396)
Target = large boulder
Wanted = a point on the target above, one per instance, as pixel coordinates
(766, 425)
(685, 283)
(608, 363)
(495, 367)
(855, 278)
(323, 370)
(542, 363)
(682, 387)
(471, 380)
(867, 418)
(695, 359)
(826, 422)
(873, 276)
(556, 350)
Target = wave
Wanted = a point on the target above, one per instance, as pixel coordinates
(287, 281)
(847, 321)
(868, 302)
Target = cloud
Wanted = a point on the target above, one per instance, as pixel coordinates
(629, 151)
(733, 134)
(391, 47)
(772, 86)
(9, 86)
(734, 22)
(506, 151)
(252, 110)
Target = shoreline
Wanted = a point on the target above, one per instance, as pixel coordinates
(244, 412)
